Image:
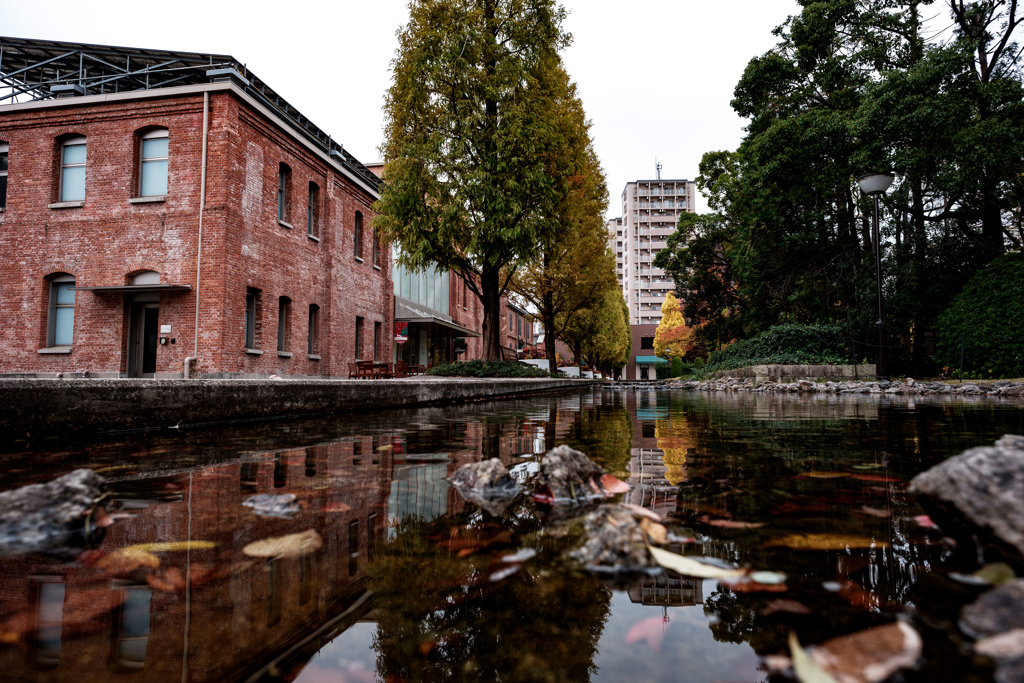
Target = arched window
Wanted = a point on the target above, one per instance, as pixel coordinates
(284, 192)
(61, 316)
(72, 170)
(358, 235)
(153, 156)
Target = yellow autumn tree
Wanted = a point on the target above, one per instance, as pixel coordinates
(673, 338)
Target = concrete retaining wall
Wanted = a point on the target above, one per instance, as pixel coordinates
(795, 373)
(41, 406)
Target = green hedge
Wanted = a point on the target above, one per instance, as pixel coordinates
(988, 315)
(490, 368)
(784, 345)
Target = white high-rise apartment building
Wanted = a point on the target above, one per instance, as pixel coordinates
(650, 212)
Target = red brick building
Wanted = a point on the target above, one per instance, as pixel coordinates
(166, 214)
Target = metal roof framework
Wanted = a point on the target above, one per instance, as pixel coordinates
(33, 70)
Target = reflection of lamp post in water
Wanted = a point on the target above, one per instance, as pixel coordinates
(875, 184)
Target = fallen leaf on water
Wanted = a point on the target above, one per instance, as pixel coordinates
(926, 522)
(995, 573)
(503, 573)
(1009, 645)
(284, 546)
(613, 485)
(127, 560)
(822, 475)
(650, 630)
(9, 638)
(824, 542)
(642, 511)
(806, 670)
(868, 467)
(385, 448)
(336, 507)
(855, 594)
(468, 541)
(875, 512)
(171, 547)
(767, 577)
(690, 567)
(785, 607)
(730, 523)
(656, 532)
(870, 656)
(755, 587)
(522, 555)
(874, 477)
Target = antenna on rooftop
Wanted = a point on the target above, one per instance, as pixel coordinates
(657, 167)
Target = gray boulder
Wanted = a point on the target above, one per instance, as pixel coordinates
(979, 493)
(615, 541)
(486, 483)
(59, 518)
(998, 611)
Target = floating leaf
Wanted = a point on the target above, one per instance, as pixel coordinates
(996, 573)
(386, 447)
(767, 577)
(650, 630)
(874, 477)
(336, 507)
(926, 522)
(806, 670)
(503, 573)
(642, 511)
(731, 524)
(284, 546)
(870, 656)
(523, 555)
(656, 532)
(822, 475)
(171, 547)
(875, 466)
(786, 607)
(690, 567)
(127, 560)
(875, 512)
(613, 485)
(824, 542)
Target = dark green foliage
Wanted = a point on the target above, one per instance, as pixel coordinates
(989, 316)
(785, 345)
(673, 370)
(487, 368)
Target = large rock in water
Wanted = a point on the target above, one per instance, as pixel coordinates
(487, 483)
(55, 518)
(979, 493)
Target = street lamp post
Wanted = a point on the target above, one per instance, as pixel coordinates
(875, 184)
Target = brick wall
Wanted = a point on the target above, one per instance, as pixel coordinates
(107, 239)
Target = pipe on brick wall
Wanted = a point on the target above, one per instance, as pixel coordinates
(194, 358)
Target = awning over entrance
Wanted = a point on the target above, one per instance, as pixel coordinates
(650, 360)
(426, 320)
(132, 289)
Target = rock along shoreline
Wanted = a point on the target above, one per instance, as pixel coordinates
(907, 387)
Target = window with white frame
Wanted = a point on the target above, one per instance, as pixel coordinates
(61, 317)
(153, 152)
(72, 170)
(3, 175)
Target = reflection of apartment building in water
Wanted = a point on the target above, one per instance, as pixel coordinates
(647, 467)
(668, 589)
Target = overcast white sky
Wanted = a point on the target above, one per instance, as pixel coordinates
(656, 77)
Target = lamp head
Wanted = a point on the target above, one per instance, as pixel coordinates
(875, 183)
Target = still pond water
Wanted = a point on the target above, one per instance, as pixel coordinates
(405, 581)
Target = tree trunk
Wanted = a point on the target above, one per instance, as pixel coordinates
(489, 284)
(548, 316)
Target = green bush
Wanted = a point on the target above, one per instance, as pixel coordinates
(784, 345)
(671, 371)
(988, 315)
(488, 368)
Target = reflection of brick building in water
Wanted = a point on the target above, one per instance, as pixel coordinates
(668, 589)
(106, 621)
(647, 468)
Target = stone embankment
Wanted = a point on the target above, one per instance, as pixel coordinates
(908, 387)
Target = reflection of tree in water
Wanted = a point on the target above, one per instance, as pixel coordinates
(441, 618)
(604, 431)
(830, 473)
